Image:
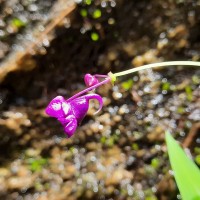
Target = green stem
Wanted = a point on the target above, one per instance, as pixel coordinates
(153, 65)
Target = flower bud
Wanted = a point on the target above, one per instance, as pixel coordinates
(90, 80)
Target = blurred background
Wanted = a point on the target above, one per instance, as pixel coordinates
(46, 47)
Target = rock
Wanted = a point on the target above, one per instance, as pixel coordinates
(4, 172)
(157, 134)
(23, 171)
(117, 176)
(68, 171)
(179, 31)
(138, 61)
(117, 118)
(195, 115)
(91, 146)
(20, 182)
(32, 152)
(110, 190)
(3, 185)
(14, 120)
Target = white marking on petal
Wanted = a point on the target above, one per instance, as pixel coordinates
(65, 107)
(56, 106)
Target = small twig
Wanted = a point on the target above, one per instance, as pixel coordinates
(15, 61)
(135, 96)
(191, 135)
(51, 26)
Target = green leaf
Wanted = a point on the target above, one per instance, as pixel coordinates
(186, 173)
(18, 23)
(94, 36)
(88, 2)
(127, 85)
(37, 164)
(96, 13)
(188, 91)
(83, 13)
(166, 86)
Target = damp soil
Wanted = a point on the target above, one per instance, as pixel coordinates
(121, 152)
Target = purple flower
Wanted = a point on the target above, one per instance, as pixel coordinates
(71, 112)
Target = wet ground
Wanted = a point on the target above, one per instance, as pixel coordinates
(119, 153)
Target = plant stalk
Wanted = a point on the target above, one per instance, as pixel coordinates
(154, 65)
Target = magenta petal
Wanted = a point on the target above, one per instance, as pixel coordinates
(70, 128)
(80, 107)
(65, 120)
(98, 98)
(90, 80)
(54, 109)
(69, 123)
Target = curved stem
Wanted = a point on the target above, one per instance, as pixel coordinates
(100, 76)
(90, 88)
(161, 64)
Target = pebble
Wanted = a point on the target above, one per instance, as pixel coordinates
(4, 172)
(117, 176)
(68, 171)
(157, 134)
(20, 182)
(92, 146)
